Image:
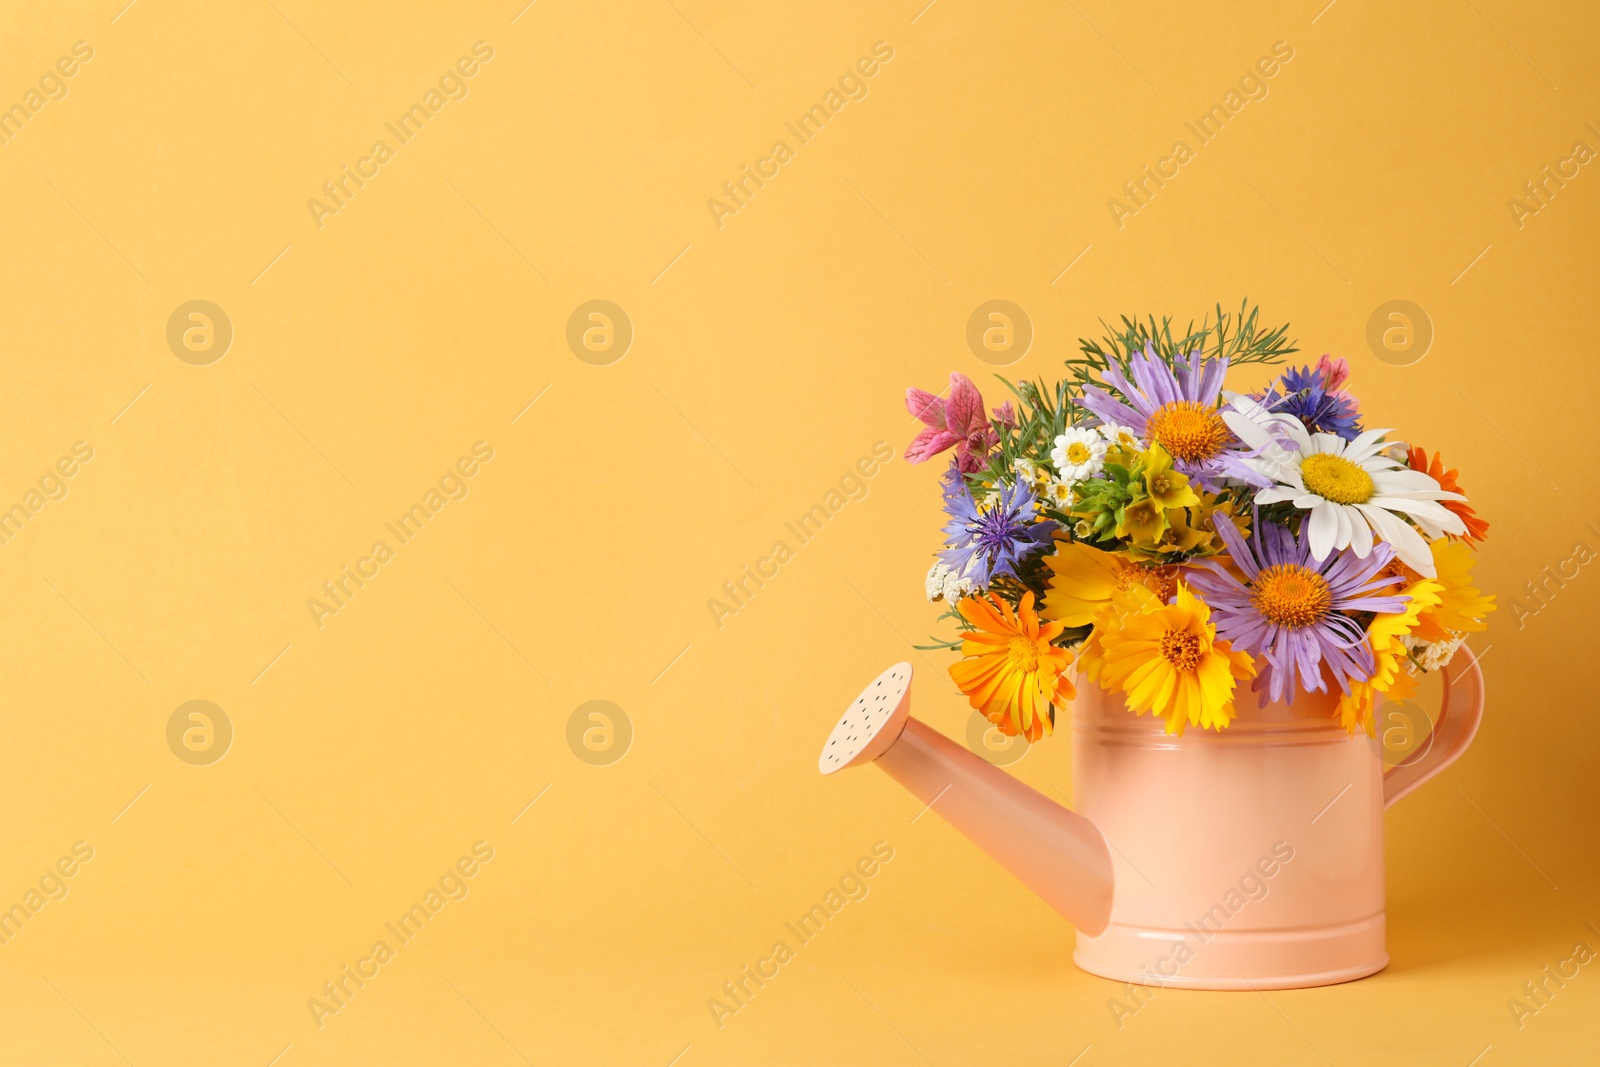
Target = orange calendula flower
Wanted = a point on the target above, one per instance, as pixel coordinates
(1477, 528)
(1010, 671)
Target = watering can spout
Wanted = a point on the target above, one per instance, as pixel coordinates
(1053, 850)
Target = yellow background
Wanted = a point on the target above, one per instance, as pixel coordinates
(769, 355)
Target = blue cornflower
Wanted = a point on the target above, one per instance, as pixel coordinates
(987, 541)
(1306, 393)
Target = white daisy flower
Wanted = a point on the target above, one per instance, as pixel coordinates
(1120, 436)
(1270, 435)
(933, 584)
(1057, 494)
(1079, 453)
(1030, 473)
(1352, 490)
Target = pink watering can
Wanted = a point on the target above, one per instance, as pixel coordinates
(1250, 858)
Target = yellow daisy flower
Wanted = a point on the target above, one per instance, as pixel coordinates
(1083, 578)
(1127, 600)
(1461, 608)
(1166, 660)
(1011, 672)
(1392, 677)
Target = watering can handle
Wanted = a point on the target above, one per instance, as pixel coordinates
(1460, 711)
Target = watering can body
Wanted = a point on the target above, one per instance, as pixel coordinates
(1250, 858)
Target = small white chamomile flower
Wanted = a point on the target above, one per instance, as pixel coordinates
(1121, 436)
(1058, 494)
(1079, 453)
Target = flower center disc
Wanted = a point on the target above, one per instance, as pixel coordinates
(1162, 581)
(1337, 479)
(1181, 649)
(1291, 595)
(1188, 430)
(1022, 655)
(1078, 452)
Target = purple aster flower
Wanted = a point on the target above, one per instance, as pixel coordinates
(1311, 395)
(986, 542)
(1289, 610)
(1176, 407)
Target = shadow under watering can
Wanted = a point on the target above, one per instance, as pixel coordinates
(1249, 858)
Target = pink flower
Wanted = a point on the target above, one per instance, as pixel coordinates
(959, 421)
(1335, 372)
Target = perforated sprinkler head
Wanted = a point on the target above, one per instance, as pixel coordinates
(872, 723)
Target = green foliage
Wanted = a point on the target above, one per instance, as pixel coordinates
(941, 645)
(1236, 335)
(1101, 504)
(1045, 410)
(1043, 413)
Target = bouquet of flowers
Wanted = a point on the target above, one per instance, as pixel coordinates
(1174, 539)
